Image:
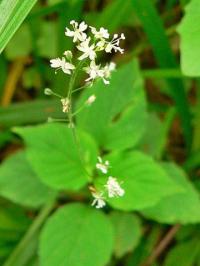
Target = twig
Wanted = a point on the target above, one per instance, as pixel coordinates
(12, 80)
(162, 245)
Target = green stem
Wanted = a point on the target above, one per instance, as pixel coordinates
(24, 243)
(78, 89)
(70, 116)
(77, 111)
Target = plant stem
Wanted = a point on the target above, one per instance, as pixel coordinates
(78, 89)
(35, 226)
(70, 116)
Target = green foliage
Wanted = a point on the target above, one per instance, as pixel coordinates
(120, 108)
(180, 208)
(47, 42)
(149, 17)
(19, 183)
(123, 9)
(29, 112)
(140, 122)
(62, 168)
(16, 48)
(12, 14)
(76, 235)
(144, 181)
(190, 40)
(186, 253)
(127, 230)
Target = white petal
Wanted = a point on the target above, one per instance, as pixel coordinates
(83, 26)
(55, 63)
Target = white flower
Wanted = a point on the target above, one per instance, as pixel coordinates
(78, 31)
(88, 51)
(65, 104)
(103, 167)
(98, 200)
(94, 71)
(91, 99)
(114, 44)
(113, 188)
(101, 34)
(62, 64)
(107, 72)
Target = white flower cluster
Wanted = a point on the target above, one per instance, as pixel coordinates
(112, 186)
(89, 45)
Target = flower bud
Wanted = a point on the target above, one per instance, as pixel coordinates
(48, 91)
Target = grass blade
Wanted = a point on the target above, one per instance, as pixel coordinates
(12, 14)
(155, 31)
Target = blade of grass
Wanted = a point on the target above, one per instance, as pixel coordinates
(155, 31)
(29, 112)
(12, 14)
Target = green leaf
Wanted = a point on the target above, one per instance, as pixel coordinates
(55, 156)
(180, 208)
(190, 39)
(19, 183)
(76, 235)
(149, 17)
(123, 9)
(16, 48)
(127, 230)
(47, 42)
(12, 14)
(145, 182)
(120, 109)
(186, 253)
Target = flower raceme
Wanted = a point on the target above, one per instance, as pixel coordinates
(89, 44)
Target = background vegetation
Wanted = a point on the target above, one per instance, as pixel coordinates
(153, 141)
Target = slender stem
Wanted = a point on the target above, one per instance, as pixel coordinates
(57, 95)
(35, 226)
(78, 111)
(70, 116)
(78, 89)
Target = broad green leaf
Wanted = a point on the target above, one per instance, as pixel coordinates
(12, 14)
(20, 184)
(127, 230)
(180, 208)
(117, 118)
(151, 139)
(190, 39)
(18, 48)
(145, 182)
(55, 155)
(185, 253)
(76, 235)
(123, 9)
(47, 42)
